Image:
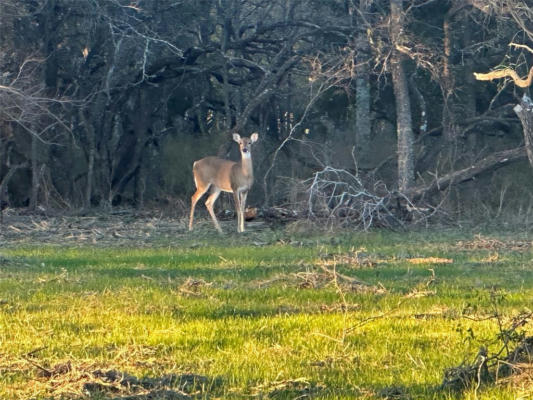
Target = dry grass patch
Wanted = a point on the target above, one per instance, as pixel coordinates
(429, 260)
(119, 228)
(480, 242)
(319, 276)
(194, 287)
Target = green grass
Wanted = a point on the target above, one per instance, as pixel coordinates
(245, 317)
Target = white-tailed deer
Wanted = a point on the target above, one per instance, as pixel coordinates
(225, 175)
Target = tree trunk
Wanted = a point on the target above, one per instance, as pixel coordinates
(524, 110)
(34, 172)
(91, 153)
(448, 116)
(404, 126)
(90, 168)
(49, 27)
(139, 186)
(133, 162)
(4, 182)
(225, 72)
(362, 86)
(468, 97)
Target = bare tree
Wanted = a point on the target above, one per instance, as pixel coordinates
(26, 109)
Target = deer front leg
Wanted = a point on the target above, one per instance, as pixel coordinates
(244, 195)
(238, 209)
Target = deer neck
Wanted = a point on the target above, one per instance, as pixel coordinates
(246, 165)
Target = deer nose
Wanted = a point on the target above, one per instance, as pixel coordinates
(245, 150)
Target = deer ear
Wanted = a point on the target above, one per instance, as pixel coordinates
(254, 137)
(237, 137)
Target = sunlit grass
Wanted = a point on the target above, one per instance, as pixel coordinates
(238, 313)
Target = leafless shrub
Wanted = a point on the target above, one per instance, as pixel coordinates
(506, 365)
(339, 195)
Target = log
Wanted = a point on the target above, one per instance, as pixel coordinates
(489, 163)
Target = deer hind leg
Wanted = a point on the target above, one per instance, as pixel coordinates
(200, 190)
(209, 204)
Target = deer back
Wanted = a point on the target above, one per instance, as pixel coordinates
(214, 171)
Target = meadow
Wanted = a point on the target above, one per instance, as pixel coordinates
(269, 314)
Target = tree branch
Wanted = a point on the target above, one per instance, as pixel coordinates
(504, 73)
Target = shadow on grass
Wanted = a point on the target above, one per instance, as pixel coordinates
(412, 392)
(117, 385)
(306, 390)
(84, 382)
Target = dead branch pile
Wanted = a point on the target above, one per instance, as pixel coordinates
(69, 380)
(340, 196)
(516, 368)
(324, 273)
(315, 279)
(146, 388)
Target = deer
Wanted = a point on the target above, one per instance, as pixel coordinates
(225, 176)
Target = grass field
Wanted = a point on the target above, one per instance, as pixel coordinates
(378, 315)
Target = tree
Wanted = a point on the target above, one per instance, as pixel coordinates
(522, 14)
(31, 118)
(404, 126)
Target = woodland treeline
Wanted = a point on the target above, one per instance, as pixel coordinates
(365, 109)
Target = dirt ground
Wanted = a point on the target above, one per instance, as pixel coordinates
(117, 228)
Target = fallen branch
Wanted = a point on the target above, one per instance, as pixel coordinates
(341, 196)
(489, 163)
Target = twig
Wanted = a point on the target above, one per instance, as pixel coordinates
(46, 371)
(521, 46)
(336, 275)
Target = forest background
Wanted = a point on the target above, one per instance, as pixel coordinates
(368, 111)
